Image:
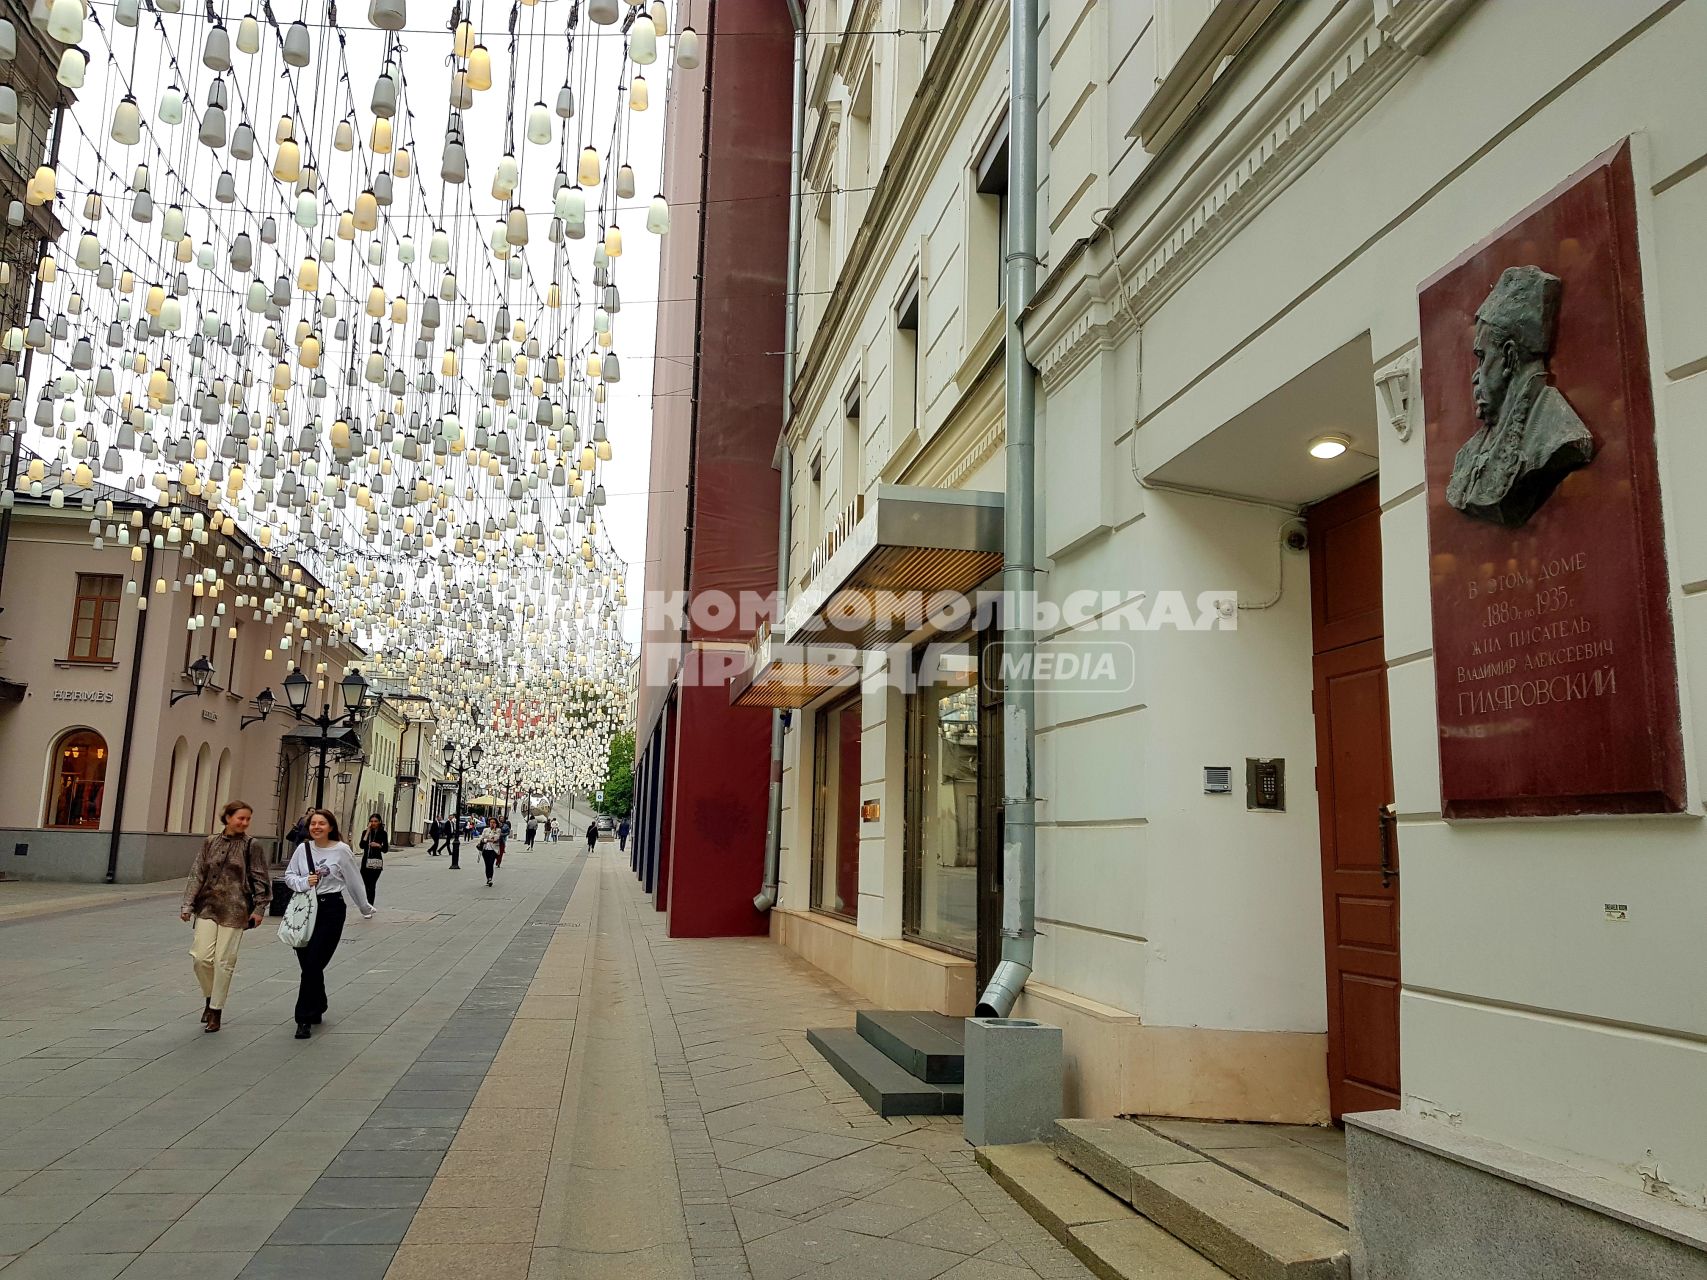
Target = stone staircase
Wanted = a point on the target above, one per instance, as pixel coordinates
(902, 1062)
(1159, 1199)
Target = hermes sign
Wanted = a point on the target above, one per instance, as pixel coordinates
(1555, 677)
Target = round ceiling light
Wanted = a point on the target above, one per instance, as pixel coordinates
(1325, 447)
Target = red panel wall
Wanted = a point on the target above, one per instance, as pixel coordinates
(744, 273)
(721, 784)
(728, 150)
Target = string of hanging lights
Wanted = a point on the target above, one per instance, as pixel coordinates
(359, 396)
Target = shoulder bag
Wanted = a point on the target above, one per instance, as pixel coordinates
(297, 927)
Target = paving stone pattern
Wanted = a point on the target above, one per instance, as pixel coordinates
(524, 1083)
(132, 1143)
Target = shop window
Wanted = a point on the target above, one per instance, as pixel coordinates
(79, 780)
(95, 617)
(835, 809)
(944, 766)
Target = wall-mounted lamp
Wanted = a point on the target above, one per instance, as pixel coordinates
(1394, 382)
(198, 674)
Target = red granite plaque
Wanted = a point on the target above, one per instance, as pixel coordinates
(1555, 674)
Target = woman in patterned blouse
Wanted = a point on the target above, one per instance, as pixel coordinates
(227, 893)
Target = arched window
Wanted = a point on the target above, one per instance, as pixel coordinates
(221, 788)
(178, 787)
(201, 791)
(79, 765)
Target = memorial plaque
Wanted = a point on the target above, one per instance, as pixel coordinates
(1555, 673)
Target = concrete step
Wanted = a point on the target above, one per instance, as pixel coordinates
(931, 1046)
(1252, 1230)
(889, 1088)
(1103, 1232)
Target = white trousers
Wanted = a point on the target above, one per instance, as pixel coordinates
(214, 951)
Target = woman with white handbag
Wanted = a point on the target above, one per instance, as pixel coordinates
(323, 867)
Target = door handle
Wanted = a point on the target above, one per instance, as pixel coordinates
(1389, 821)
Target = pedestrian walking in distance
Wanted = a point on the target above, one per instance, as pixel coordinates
(227, 893)
(435, 829)
(592, 835)
(322, 864)
(532, 830)
(491, 847)
(375, 844)
(503, 840)
(622, 830)
(299, 831)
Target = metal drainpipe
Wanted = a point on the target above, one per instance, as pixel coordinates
(1019, 695)
(142, 616)
(765, 899)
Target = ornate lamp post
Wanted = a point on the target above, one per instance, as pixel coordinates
(459, 759)
(359, 703)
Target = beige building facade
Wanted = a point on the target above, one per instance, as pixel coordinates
(89, 712)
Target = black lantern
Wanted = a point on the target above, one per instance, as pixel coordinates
(198, 673)
(450, 755)
(296, 689)
(353, 689)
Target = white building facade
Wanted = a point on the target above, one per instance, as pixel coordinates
(1253, 901)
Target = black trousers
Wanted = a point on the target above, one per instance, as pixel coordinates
(489, 857)
(328, 928)
(370, 878)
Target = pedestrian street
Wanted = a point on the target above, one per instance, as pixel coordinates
(527, 1081)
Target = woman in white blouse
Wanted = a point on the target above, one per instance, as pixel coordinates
(322, 864)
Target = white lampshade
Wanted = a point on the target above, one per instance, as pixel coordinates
(73, 67)
(643, 41)
(587, 172)
(171, 106)
(639, 96)
(658, 216)
(65, 21)
(625, 182)
(539, 124)
(687, 49)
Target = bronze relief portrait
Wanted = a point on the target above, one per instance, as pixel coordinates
(1530, 438)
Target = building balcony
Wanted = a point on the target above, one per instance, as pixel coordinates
(894, 565)
(409, 770)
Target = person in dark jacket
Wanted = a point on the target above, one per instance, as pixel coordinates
(226, 895)
(531, 830)
(622, 830)
(372, 847)
(299, 832)
(592, 835)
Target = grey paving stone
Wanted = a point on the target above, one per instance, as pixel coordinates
(36, 1265)
(319, 1262)
(15, 1237)
(381, 1138)
(128, 1235)
(365, 1193)
(343, 1226)
(388, 1117)
(188, 1266)
(385, 1164)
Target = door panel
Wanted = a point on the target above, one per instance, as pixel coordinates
(1354, 786)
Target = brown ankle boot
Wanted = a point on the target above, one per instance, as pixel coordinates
(207, 1008)
(212, 1020)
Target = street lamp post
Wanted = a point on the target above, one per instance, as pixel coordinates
(359, 700)
(459, 759)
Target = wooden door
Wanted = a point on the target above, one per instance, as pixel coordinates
(1354, 791)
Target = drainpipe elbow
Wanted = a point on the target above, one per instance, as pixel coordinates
(1002, 993)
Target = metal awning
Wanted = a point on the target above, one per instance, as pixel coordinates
(792, 675)
(892, 560)
(345, 739)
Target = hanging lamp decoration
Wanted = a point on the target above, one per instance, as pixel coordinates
(325, 432)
